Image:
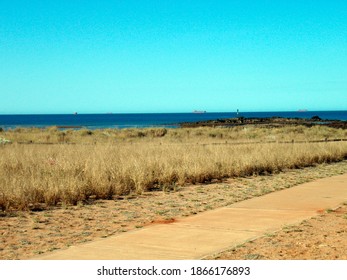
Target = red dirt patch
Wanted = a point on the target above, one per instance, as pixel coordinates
(161, 222)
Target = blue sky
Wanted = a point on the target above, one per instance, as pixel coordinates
(172, 56)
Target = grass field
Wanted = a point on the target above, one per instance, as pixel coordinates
(249, 133)
(24, 234)
(81, 164)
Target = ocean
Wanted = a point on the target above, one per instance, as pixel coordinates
(95, 121)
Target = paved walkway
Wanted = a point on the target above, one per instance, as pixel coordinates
(213, 231)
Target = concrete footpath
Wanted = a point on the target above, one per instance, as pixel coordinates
(214, 231)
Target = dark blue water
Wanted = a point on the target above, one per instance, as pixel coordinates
(93, 121)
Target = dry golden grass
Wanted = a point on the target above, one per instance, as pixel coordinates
(249, 133)
(24, 234)
(105, 163)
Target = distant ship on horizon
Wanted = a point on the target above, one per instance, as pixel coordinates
(302, 110)
(199, 112)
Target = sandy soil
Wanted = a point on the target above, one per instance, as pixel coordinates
(26, 234)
